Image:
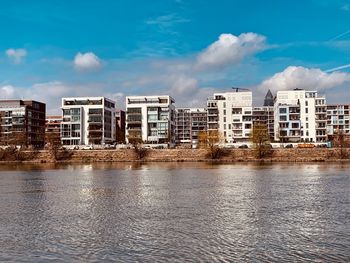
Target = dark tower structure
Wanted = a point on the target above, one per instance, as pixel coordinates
(268, 101)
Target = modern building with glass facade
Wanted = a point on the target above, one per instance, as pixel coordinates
(151, 119)
(88, 121)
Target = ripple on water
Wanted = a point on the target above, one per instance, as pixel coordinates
(231, 213)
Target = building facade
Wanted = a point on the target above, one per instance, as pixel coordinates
(22, 122)
(53, 124)
(264, 115)
(87, 121)
(120, 126)
(338, 119)
(150, 119)
(189, 123)
(300, 115)
(231, 114)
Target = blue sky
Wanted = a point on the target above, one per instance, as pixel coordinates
(188, 49)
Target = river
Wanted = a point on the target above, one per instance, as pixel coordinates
(175, 212)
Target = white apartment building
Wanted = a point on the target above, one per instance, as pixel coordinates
(338, 119)
(189, 123)
(231, 114)
(300, 115)
(151, 118)
(87, 121)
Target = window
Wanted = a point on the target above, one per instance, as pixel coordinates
(306, 110)
(283, 118)
(307, 126)
(306, 103)
(224, 119)
(283, 110)
(295, 125)
(224, 112)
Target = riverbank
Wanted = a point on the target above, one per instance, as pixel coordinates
(186, 155)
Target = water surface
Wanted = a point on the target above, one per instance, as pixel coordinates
(175, 213)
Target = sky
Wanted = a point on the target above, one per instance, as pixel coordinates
(186, 49)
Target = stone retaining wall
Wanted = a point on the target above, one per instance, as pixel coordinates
(194, 155)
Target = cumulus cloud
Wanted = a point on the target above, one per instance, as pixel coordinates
(86, 61)
(230, 49)
(303, 78)
(7, 92)
(16, 55)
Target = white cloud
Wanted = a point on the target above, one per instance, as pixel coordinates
(230, 49)
(16, 55)
(303, 78)
(7, 92)
(86, 61)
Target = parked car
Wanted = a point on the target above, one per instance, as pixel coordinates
(289, 146)
(243, 146)
(87, 147)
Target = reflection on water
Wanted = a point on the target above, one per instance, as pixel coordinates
(175, 212)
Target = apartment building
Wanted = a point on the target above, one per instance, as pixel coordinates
(53, 124)
(87, 120)
(300, 115)
(151, 119)
(338, 119)
(189, 123)
(264, 115)
(231, 114)
(22, 122)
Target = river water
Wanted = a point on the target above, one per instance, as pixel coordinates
(175, 213)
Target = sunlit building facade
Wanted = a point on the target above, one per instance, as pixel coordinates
(151, 119)
(231, 114)
(88, 121)
(300, 115)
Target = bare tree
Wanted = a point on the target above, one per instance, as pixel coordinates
(211, 141)
(260, 139)
(342, 144)
(134, 138)
(53, 143)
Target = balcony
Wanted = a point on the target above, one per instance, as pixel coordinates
(95, 120)
(213, 120)
(134, 121)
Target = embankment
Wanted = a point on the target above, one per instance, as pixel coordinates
(190, 155)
